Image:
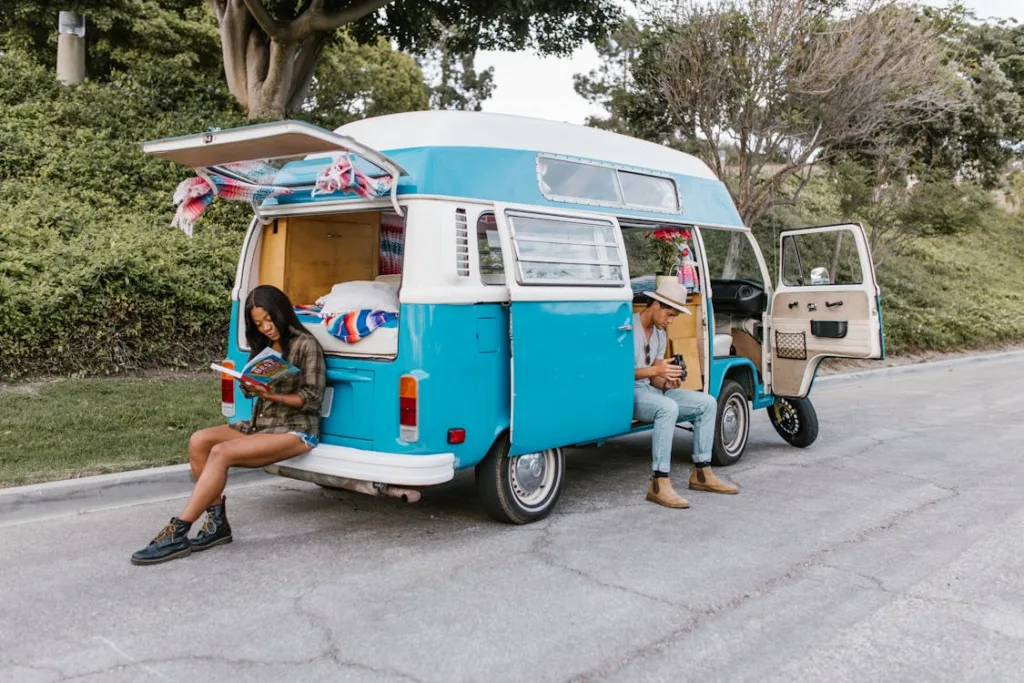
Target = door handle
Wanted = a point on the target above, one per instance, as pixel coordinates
(794, 304)
(833, 304)
(625, 328)
(812, 307)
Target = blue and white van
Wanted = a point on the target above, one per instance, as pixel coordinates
(516, 250)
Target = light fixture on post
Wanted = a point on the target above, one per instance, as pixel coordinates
(71, 48)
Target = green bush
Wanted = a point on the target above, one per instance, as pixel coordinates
(92, 278)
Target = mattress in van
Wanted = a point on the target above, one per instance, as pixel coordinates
(381, 343)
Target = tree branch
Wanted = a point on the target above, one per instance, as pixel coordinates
(269, 25)
(321, 21)
(305, 66)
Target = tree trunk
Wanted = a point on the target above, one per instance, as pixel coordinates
(268, 76)
(735, 255)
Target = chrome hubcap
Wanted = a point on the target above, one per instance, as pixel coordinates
(532, 476)
(734, 417)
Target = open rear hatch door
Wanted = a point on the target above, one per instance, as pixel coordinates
(260, 154)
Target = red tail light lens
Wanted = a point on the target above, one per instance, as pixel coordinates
(456, 435)
(408, 408)
(227, 391)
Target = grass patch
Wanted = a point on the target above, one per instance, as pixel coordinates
(72, 428)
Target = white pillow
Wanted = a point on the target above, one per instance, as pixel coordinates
(359, 295)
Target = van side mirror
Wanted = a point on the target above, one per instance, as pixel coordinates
(819, 276)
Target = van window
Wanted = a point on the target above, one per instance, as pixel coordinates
(640, 189)
(821, 258)
(565, 251)
(731, 255)
(581, 182)
(575, 181)
(492, 268)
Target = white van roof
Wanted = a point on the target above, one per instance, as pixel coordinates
(503, 131)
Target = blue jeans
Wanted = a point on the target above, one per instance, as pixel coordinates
(665, 409)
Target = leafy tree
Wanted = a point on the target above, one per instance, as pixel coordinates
(120, 34)
(271, 47)
(453, 79)
(356, 81)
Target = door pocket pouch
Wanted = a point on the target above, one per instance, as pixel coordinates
(791, 345)
(833, 329)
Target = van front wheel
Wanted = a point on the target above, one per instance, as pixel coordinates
(519, 489)
(795, 420)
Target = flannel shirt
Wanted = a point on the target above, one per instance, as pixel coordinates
(277, 418)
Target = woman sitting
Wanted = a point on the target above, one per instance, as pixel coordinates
(286, 423)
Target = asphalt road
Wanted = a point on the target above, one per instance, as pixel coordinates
(891, 550)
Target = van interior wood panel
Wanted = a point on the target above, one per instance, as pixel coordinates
(306, 256)
(325, 250)
(272, 253)
(747, 347)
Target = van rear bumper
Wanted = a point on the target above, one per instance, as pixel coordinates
(353, 463)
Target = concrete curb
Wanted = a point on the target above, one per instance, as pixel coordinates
(911, 368)
(106, 491)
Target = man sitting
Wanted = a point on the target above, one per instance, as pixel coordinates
(657, 398)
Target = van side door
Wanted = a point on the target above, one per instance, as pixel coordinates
(827, 304)
(570, 325)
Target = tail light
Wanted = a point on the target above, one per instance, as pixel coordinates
(408, 408)
(227, 391)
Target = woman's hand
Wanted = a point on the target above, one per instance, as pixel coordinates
(259, 390)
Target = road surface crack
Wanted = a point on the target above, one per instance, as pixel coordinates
(765, 587)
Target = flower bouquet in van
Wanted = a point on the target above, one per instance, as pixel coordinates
(265, 368)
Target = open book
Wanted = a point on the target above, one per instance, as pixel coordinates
(267, 367)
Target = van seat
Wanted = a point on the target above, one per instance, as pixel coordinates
(394, 280)
(723, 345)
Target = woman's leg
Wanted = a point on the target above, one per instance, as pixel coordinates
(254, 450)
(200, 443)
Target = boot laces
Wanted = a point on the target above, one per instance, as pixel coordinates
(209, 526)
(166, 534)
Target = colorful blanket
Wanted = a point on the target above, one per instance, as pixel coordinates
(352, 326)
(342, 176)
(195, 194)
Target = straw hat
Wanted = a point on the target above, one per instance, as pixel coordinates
(673, 294)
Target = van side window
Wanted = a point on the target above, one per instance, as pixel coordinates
(565, 251)
(492, 267)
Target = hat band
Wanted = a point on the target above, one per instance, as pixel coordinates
(671, 300)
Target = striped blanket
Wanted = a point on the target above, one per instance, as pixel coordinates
(342, 176)
(352, 326)
(195, 194)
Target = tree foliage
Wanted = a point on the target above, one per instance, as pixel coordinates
(271, 47)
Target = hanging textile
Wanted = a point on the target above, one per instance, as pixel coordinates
(342, 176)
(195, 194)
(391, 244)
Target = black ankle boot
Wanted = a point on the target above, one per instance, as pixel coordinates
(171, 542)
(215, 530)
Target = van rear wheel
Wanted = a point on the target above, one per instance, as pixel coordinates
(732, 426)
(519, 489)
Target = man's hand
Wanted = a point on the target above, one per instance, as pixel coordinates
(673, 383)
(666, 370)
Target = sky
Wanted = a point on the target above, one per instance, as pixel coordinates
(528, 85)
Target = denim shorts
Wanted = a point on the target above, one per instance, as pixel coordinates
(307, 439)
